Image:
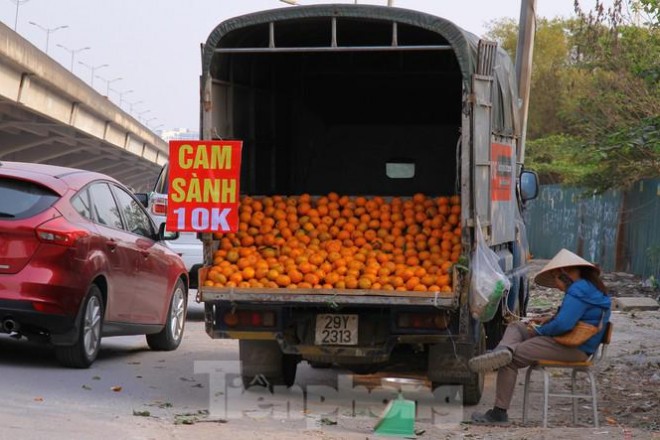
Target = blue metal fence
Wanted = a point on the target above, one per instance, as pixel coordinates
(618, 230)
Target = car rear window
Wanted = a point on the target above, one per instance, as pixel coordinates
(20, 199)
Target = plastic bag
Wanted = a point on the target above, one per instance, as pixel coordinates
(489, 283)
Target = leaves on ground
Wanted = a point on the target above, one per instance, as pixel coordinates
(192, 418)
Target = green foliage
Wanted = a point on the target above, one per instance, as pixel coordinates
(558, 159)
(595, 94)
(551, 53)
(625, 156)
(651, 11)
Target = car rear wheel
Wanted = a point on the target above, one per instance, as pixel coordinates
(84, 351)
(170, 337)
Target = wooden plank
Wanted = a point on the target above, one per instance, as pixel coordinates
(626, 304)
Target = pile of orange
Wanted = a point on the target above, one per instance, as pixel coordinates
(341, 242)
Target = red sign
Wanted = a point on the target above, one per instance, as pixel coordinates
(204, 179)
(501, 176)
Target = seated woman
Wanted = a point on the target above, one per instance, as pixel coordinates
(522, 345)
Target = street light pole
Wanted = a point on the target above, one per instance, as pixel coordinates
(132, 104)
(107, 83)
(73, 52)
(121, 96)
(93, 69)
(18, 3)
(48, 31)
(144, 112)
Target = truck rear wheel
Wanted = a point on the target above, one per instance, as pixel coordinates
(495, 329)
(474, 387)
(263, 363)
(473, 384)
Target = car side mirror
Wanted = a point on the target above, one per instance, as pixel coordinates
(164, 234)
(529, 185)
(143, 198)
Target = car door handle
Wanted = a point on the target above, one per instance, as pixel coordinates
(145, 254)
(112, 245)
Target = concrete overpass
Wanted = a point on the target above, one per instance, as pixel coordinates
(48, 115)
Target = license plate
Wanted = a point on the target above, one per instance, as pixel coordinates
(336, 329)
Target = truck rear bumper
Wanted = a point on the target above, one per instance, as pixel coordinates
(329, 297)
(345, 354)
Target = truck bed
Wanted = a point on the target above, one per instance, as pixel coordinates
(324, 296)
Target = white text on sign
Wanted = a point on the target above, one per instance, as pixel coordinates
(203, 219)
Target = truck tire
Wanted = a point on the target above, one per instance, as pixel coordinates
(472, 386)
(263, 363)
(170, 336)
(495, 329)
(319, 365)
(473, 389)
(88, 342)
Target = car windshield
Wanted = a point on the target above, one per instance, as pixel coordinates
(21, 199)
(162, 184)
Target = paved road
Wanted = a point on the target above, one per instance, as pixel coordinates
(43, 400)
(110, 400)
(132, 392)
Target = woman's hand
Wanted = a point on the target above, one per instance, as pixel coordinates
(540, 320)
(531, 329)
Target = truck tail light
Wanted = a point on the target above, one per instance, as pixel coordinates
(250, 318)
(230, 319)
(268, 319)
(427, 321)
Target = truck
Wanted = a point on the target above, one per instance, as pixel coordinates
(369, 101)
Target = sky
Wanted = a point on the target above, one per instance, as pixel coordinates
(154, 45)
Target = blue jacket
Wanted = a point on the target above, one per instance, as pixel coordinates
(582, 302)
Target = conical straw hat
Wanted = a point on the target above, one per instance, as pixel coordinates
(564, 258)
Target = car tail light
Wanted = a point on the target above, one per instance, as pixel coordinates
(159, 206)
(47, 308)
(60, 231)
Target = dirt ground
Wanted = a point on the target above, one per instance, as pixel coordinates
(628, 388)
(628, 385)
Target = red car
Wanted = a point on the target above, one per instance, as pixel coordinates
(80, 259)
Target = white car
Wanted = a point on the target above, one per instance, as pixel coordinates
(188, 246)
